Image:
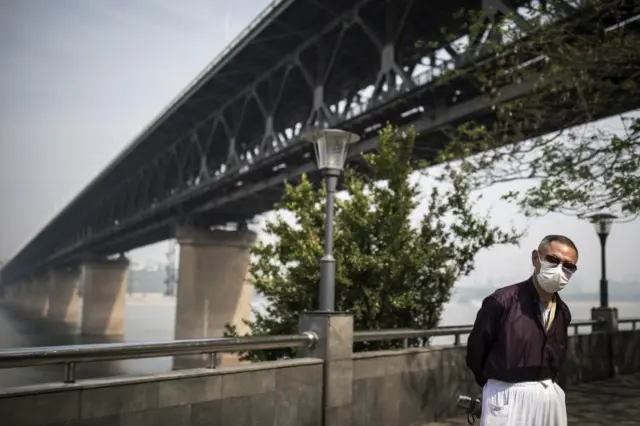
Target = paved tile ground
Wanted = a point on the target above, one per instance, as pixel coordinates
(613, 402)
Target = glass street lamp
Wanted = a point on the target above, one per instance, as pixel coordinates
(602, 223)
(332, 147)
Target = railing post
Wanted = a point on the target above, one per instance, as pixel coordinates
(607, 317)
(608, 324)
(70, 372)
(335, 347)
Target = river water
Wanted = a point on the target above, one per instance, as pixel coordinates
(151, 318)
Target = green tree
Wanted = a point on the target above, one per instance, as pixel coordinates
(390, 274)
(583, 65)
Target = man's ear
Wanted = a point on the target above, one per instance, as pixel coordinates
(535, 259)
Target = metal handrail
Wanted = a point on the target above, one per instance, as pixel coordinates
(456, 331)
(401, 334)
(633, 321)
(72, 355)
(628, 320)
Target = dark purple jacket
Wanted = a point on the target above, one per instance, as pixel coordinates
(508, 341)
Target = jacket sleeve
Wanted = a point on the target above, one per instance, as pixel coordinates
(565, 344)
(484, 333)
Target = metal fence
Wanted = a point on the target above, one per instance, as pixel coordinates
(457, 331)
(633, 321)
(71, 356)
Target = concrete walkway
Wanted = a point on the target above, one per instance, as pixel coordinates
(614, 402)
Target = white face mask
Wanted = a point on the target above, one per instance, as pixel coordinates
(552, 278)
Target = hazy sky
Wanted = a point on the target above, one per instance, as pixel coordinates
(80, 78)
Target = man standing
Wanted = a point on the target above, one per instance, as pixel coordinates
(519, 342)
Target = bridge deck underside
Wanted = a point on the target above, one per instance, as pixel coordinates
(222, 152)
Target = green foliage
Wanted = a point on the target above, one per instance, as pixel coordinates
(582, 67)
(389, 274)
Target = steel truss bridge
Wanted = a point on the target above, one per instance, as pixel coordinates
(222, 150)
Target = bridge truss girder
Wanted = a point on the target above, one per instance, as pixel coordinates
(224, 158)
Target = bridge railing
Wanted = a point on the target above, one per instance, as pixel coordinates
(217, 61)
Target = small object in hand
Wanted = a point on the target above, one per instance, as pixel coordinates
(473, 407)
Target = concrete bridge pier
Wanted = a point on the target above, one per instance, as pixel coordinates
(23, 295)
(9, 294)
(63, 295)
(105, 284)
(212, 286)
(37, 296)
(18, 295)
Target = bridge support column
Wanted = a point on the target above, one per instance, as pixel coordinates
(212, 286)
(7, 294)
(37, 296)
(13, 294)
(103, 296)
(63, 295)
(24, 295)
(20, 295)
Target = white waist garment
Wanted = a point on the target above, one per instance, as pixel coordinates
(523, 404)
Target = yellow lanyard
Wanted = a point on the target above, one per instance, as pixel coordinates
(552, 313)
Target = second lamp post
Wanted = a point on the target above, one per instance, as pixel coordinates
(331, 146)
(602, 223)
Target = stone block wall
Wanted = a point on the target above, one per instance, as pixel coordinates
(587, 359)
(597, 356)
(282, 393)
(416, 386)
(626, 350)
(409, 386)
(400, 387)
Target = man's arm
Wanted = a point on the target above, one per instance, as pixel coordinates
(484, 333)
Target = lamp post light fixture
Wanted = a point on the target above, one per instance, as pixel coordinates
(602, 223)
(331, 147)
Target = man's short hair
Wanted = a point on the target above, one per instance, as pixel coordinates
(544, 244)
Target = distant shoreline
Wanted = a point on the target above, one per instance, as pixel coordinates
(619, 291)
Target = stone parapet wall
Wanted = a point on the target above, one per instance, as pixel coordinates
(407, 387)
(282, 393)
(400, 387)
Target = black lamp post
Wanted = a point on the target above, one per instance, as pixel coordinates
(602, 223)
(331, 146)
